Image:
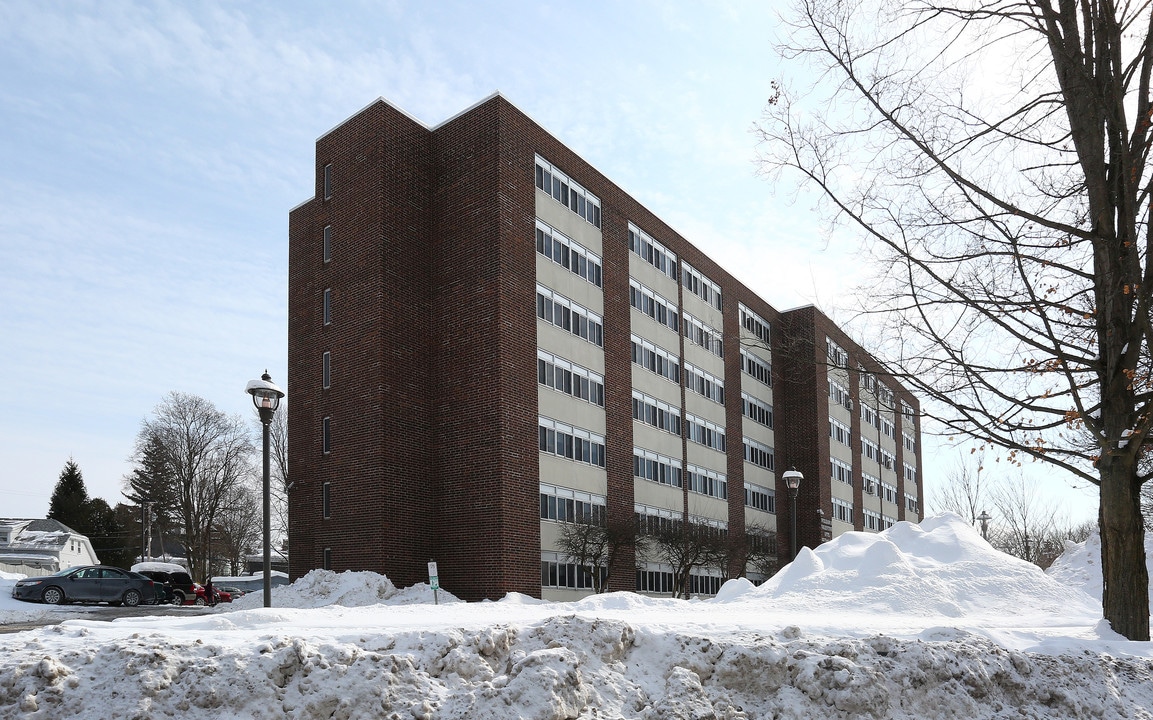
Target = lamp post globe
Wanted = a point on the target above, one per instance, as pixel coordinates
(793, 478)
(266, 397)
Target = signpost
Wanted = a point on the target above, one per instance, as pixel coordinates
(433, 581)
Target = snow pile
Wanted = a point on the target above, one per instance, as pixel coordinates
(350, 645)
(1080, 565)
(940, 567)
(324, 588)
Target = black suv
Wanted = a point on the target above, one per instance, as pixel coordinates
(178, 583)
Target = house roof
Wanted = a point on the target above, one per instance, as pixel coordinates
(36, 534)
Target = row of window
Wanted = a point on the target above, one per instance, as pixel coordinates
(839, 394)
(699, 285)
(652, 251)
(839, 431)
(651, 303)
(705, 433)
(842, 510)
(567, 192)
(760, 498)
(910, 473)
(841, 471)
(912, 503)
(566, 505)
(707, 482)
(654, 412)
(759, 454)
(703, 335)
(649, 465)
(754, 323)
(836, 354)
(558, 574)
(572, 443)
(568, 253)
(654, 521)
(656, 359)
(704, 383)
(876, 521)
(759, 369)
(757, 410)
(560, 374)
(910, 442)
(567, 315)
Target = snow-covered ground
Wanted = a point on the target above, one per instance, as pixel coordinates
(921, 621)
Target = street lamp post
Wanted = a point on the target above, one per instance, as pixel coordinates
(793, 480)
(985, 517)
(266, 397)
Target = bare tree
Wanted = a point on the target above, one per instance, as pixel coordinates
(279, 482)
(966, 490)
(760, 550)
(1028, 524)
(239, 525)
(1010, 215)
(208, 454)
(685, 546)
(596, 546)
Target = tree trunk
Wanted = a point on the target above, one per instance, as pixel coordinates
(1124, 574)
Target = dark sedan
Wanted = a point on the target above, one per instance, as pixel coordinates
(89, 583)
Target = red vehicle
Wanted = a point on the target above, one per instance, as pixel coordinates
(202, 595)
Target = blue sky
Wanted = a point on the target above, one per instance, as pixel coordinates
(152, 152)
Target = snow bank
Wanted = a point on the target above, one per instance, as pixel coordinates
(1080, 565)
(917, 621)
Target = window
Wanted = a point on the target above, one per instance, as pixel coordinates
(754, 323)
(910, 473)
(557, 572)
(836, 354)
(910, 443)
(567, 192)
(652, 251)
(703, 335)
(841, 471)
(843, 510)
(567, 315)
(871, 484)
(325, 499)
(699, 285)
(872, 520)
(652, 466)
(326, 435)
(869, 416)
(656, 359)
(328, 181)
(758, 368)
(656, 413)
(654, 579)
(654, 521)
(704, 383)
(326, 370)
(705, 433)
(759, 454)
(840, 432)
(760, 498)
(327, 562)
(559, 374)
(839, 394)
(889, 492)
(912, 504)
(571, 443)
(707, 482)
(328, 306)
(327, 243)
(756, 410)
(568, 253)
(652, 304)
(561, 504)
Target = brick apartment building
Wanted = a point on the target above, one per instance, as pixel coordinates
(485, 334)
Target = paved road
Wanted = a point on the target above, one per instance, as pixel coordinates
(107, 613)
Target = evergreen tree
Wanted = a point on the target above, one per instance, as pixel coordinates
(153, 484)
(69, 503)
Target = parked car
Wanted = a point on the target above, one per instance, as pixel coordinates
(202, 595)
(177, 581)
(233, 592)
(164, 594)
(87, 583)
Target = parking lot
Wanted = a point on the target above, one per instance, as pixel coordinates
(104, 613)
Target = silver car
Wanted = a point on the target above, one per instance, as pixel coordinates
(88, 583)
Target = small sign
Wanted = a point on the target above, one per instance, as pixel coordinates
(433, 580)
